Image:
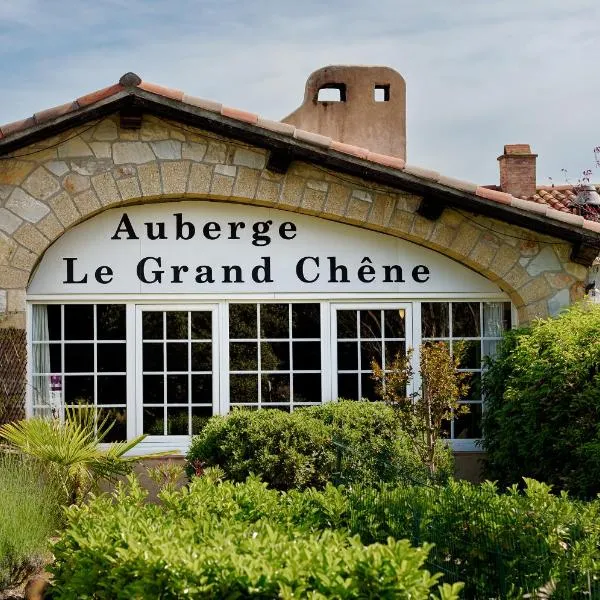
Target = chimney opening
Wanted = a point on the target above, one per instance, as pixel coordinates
(332, 92)
(381, 93)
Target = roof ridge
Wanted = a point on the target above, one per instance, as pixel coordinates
(132, 80)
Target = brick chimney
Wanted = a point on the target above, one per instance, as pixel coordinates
(517, 170)
(358, 105)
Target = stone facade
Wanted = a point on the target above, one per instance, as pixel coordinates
(49, 187)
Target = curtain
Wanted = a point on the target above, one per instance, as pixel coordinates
(493, 325)
(43, 400)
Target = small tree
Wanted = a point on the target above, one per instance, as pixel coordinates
(423, 412)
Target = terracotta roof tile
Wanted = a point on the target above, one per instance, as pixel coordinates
(555, 202)
(240, 115)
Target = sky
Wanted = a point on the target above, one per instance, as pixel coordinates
(479, 74)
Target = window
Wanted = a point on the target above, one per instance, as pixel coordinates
(79, 354)
(275, 355)
(364, 335)
(479, 326)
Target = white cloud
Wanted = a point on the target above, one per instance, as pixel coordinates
(479, 75)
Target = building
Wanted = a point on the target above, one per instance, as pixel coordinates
(170, 258)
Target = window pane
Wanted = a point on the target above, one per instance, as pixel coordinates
(154, 392)
(177, 325)
(490, 347)
(243, 388)
(307, 387)
(370, 324)
(348, 386)
(178, 421)
(112, 389)
(112, 358)
(469, 426)
(434, 320)
(200, 416)
(307, 356)
(243, 356)
(465, 319)
(110, 321)
(275, 356)
(306, 321)
(46, 358)
(242, 321)
(152, 357)
(368, 387)
(79, 389)
(274, 321)
(177, 356)
(79, 321)
(394, 323)
(201, 325)
(471, 358)
(346, 324)
(54, 320)
(152, 325)
(177, 389)
(202, 389)
(79, 358)
(118, 417)
(154, 420)
(201, 356)
(474, 387)
(392, 350)
(369, 351)
(496, 318)
(347, 356)
(275, 388)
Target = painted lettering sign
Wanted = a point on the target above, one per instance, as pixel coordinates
(205, 247)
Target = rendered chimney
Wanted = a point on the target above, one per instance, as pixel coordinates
(368, 108)
(517, 170)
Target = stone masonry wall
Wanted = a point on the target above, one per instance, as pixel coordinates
(49, 187)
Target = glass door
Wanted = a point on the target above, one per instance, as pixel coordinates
(177, 370)
(362, 333)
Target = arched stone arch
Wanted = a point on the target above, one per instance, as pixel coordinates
(52, 186)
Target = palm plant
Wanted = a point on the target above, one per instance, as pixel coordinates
(72, 449)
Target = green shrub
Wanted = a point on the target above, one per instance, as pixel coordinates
(543, 404)
(29, 515)
(216, 540)
(342, 441)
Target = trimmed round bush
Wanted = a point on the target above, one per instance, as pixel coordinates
(543, 404)
(341, 442)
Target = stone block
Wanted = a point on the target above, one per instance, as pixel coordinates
(3, 294)
(129, 188)
(535, 290)
(381, 209)
(106, 131)
(106, 189)
(537, 310)
(443, 235)
(11, 278)
(216, 153)
(87, 202)
(7, 248)
(401, 222)
(199, 179)
(268, 190)
(227, 170)
(9, 222)
(249, 158)
(153, 130)
(64, 209)
(578, 271)
(50, 226)
(505, 259)
(561, 280)
(57, 167)
(75, 183)
(101, 149)
(136, 153)
(193, 151)
(319, 186)
(13, 321)
(13, 172)
(149, 179)
(357, 210)
(546, 260)
(451, 218)
(222, 185)
(23, 259)
(313, 201)
(466, 238)
(529, 247)
(422, 228)
(362, 195)
(577, 291)
(246, 182)
(484, 251)
(517, 277)
(74, 147)
(25, 206)
(337, 199)
(559, 301)
(167, 149)
(174, 176)
(293, 190)
(408, 202)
